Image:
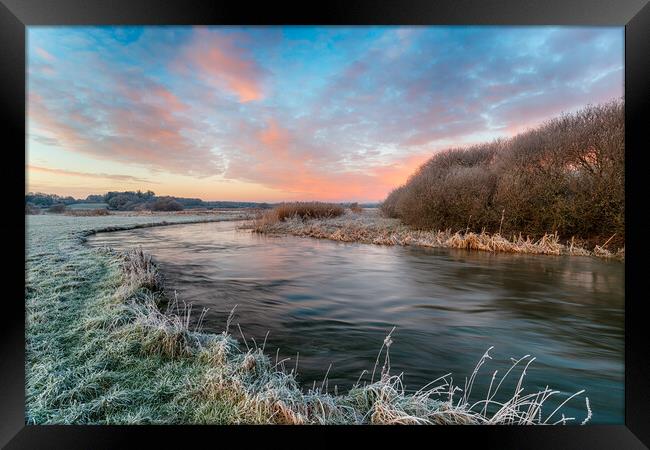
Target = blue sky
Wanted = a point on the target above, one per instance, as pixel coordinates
(287, 113)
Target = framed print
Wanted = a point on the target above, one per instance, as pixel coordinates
(240, 220)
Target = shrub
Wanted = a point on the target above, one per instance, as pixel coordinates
(128, 200)
(566, 176)
(308, 210)
(57, 209)
(355, 208)
(389, 206)
(31, 209)
(166, 204)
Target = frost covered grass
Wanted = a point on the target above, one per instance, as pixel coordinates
(370, 228)
(106, 346)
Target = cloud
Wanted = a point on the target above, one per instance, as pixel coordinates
(45, 140)
(216, 58)
(287, 160)
(129, 117)
(107, 176)
(44, 54)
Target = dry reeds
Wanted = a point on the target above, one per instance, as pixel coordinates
(298, 210)
(139, 269)
(268, 394)
(57, 209)
(371, 229)
(308, 210)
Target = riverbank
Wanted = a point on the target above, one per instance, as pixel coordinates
(370, 227)
(105, 346)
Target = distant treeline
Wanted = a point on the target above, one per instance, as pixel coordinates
(138, 201)
(46, 200)
(132, 201)
(566, 176)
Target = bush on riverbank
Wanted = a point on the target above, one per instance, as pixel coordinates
(308, 210)
(32, 210)
(57, 209)
(355, 208)
(300, 210)
(567, 177)
(165, 204)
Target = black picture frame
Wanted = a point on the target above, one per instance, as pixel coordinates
(16, 15)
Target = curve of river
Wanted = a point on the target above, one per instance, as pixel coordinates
(333, 303)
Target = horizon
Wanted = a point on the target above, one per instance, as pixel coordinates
(299, 113)
(83, 198)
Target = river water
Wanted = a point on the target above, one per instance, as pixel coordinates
(333, 303)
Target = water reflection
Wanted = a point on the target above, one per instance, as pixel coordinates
(334, 303)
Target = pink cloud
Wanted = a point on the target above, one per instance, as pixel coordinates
(109, 176)
(43, 118)
(146, 127)
(44, 54)
(220, 63)
(276, 139)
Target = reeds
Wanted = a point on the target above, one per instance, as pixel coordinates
(371, 229)
(305, 211)
(139, 270)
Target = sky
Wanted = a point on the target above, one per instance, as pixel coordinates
(291, 113)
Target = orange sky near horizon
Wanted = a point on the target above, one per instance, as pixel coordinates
(375, 186)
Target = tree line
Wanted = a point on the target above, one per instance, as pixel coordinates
(128, 201)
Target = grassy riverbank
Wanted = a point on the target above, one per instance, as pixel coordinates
(104, 345)
(371, 228)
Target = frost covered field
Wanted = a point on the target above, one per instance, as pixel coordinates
(76, 372)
